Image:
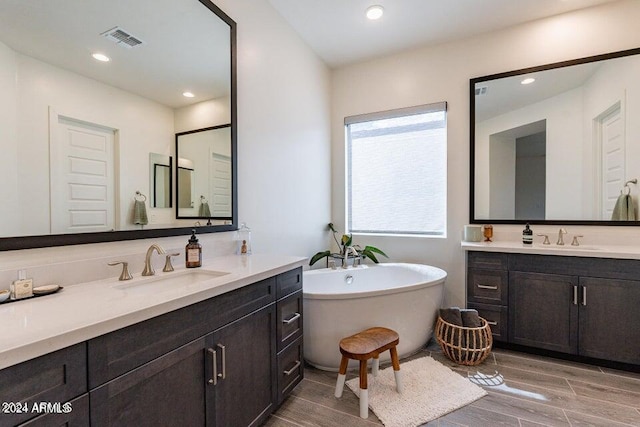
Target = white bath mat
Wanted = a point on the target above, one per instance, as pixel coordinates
(431, 390)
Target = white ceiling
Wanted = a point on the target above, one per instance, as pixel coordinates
(338, 31)
(186, 46)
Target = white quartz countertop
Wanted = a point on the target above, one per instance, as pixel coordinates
(37, 326)
(594, 251)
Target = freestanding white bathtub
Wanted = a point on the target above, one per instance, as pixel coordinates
(338, 303)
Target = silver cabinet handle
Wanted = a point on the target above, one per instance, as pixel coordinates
(214, 364)
(493, 288)
(293, 318)
(584, 295)
(575, 295)
(223, 374)
(292, 370)
(492, 323)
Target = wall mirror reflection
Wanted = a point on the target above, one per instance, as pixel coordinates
(557, 143)
(91, 90)
(204, 180)
(161, 178)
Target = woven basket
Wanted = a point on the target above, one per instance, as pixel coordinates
(466, 346)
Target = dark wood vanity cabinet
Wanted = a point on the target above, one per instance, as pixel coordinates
(227, 361)
(581, 306)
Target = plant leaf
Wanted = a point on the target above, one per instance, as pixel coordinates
(366, 252)
(346, 239)
(317, 257)
(331, 227)
(376, 250)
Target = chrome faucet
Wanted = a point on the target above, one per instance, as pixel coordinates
(148, 268)
(560, 240)
(345, 258)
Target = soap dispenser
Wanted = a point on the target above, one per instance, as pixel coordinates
(527, 235)
(243, 240)
(193, 251)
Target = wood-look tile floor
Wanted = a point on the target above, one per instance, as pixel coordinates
(533, 391)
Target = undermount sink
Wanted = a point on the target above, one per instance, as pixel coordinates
(178, 279)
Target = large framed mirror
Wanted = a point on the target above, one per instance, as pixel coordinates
(93, 95)
(557, 144)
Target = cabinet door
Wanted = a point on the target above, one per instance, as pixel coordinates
(55, 378)
(245, 392)
(610, 319)
(543, 312)
(168, 391)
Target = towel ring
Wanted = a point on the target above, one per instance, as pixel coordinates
(626, 186)
(142, 198)
(203, 199)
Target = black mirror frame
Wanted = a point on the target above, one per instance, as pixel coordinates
(234, 190)
(44, 241)
(472, 125)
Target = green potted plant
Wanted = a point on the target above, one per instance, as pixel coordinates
(344, 244)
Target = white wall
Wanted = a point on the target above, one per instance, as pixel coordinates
(9, 192)
(442, 73)
(283, 133)
(283, 144)
(617, 81)
(564, 126)
(142, 126)
(202, 115)
(501, 169)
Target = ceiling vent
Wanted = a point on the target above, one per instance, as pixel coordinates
(122, 37)
(481, 90)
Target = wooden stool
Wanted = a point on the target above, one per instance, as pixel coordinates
(363, 346)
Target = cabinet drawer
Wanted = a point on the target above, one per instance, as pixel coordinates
(120, 351)
(290, 369)
(77, 417)
(289, 282)
(56, 377)
(289, 319)
(497, 317)
(487, 286)
(487, 260)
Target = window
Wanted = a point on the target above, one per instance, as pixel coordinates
(397, 171)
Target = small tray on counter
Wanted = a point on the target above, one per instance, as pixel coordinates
(38, 291)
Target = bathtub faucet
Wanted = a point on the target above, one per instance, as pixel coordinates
(349, 250)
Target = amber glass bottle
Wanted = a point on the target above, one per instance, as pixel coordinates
(193, 252)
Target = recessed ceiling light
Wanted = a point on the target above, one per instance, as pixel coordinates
(528, 81)
(375, 12)
(188, 94)
(101, 57)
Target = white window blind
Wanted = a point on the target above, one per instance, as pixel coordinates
(397, 171)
